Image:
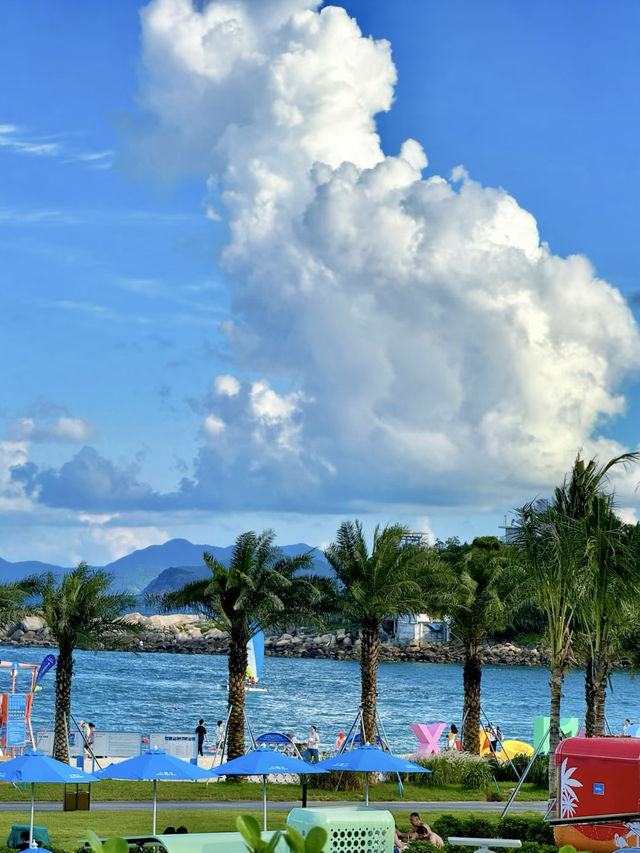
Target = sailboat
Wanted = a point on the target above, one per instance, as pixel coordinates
(255, 659)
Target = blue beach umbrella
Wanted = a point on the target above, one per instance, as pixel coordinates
(265, 762)
(32, 767)
(369, 759)
(152, 766)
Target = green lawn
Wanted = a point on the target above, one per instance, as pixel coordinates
(114, 790)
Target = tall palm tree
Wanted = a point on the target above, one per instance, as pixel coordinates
(549, 553)
(371, 588)
(610, 574)
(606, 606)
(80, 611)
(476, 599)
(260, 589)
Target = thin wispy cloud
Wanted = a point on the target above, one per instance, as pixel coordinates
(85, 216)
(20, 141)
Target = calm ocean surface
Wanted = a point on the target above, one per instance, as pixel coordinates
(122, 691)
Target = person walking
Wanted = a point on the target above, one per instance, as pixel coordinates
(202, 736)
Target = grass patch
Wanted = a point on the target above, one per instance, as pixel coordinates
(120, 791)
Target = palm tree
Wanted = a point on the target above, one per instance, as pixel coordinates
(475, 598)
(260, 589)
(610, 572)
(549, 553)
(385, 584)
(80, 611)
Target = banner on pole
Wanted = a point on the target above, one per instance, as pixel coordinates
(45, 666)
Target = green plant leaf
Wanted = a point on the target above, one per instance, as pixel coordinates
(94, 841)
(271, 846)
(567, 848)
(294, 840)
(315, 840)
(249, 828)
(115, 845)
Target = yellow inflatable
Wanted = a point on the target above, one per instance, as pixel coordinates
(509, 748)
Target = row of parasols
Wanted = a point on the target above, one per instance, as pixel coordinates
(157, 765)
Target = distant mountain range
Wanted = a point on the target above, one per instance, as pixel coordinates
(158, 568)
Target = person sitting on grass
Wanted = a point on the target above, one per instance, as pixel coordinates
(426, 833)
(398, 844)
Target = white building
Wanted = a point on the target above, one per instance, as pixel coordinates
(420, 628)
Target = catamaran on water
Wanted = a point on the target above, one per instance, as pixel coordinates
(255, 660)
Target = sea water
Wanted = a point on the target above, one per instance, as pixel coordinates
(156, 692)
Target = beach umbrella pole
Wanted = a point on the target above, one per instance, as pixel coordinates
(33, 809)
(155, 783)
(366, 789)
(264, 803)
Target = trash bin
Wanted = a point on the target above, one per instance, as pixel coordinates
(75, 799)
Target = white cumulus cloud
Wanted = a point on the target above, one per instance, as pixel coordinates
(432, 346)
(62, 429)
(226, 385)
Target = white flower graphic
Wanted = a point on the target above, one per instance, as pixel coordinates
(568, 796)
(634, 831)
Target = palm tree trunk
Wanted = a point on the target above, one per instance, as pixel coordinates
(237, 674)
(598, 671)
(471, 678)
(601, 671)
(64, 672)
(555, 685)
(590, 700)
(369, 654)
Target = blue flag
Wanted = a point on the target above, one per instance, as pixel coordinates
(45, 666)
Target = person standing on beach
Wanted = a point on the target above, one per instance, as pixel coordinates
(313, 742)
(202, 736)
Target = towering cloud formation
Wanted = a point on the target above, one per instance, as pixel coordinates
(422, 340)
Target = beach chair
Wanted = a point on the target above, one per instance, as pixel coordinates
(428, 735)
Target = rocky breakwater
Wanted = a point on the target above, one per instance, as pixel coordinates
(177, 633)
(344, 644)
(28, 631)
(189, 634)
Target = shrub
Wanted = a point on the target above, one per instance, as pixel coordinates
(539, 773)
(526, 829)
(531, 830)
(447, 767)
(477, 776)
(337, 780)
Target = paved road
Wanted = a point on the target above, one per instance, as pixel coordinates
(255, 805)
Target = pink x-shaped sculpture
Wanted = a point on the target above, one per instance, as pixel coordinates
(427, 735)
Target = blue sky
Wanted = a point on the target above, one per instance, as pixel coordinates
(211, 323)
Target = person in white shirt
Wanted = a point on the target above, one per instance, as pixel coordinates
(313, 742)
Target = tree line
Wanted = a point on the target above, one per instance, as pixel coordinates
(571, 568)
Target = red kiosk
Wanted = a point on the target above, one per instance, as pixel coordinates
(15, 710)
(598, 781)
